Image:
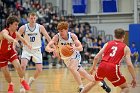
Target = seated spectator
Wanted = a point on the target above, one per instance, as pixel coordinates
(96, 47)
(23, 20)
(26, 5)
(100, 44)
(134, 54)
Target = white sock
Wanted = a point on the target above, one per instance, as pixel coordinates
(11, 83)
(100, 84)
(33, 78)
(81, 86)
(21, 79)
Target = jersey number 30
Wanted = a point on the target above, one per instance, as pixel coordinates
(114, 49)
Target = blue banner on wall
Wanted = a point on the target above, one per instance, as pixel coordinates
(109, 5)
(79, 6)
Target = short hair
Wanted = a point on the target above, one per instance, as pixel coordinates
(32, 14)
(62, 25)
(119, 33)
(11, 20)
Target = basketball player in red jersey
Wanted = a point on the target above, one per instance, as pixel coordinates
(109, 67)
(8, 54)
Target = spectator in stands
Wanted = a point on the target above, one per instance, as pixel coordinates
(9, 3)
(100, 44)
(96, 48)
(33, 8)
(19, 6)
(47, 15)
(134, 54)
(26, 5)
(99, 38)
(23, 20)
(37, 4)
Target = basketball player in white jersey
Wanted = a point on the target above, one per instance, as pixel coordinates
(73, 62)
(32, 34)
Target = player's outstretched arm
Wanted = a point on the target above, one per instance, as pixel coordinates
(5, 35)
(19, 37)
(45, 33)
(50, 46)
(21, 30)
(78, 46)
(130, 65)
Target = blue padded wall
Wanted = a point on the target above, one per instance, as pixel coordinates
(134, 35)
(109, 5)
(79, 6)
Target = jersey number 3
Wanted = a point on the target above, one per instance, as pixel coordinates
(114, 49)
(9, 47)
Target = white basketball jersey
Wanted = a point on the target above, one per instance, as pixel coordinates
(33, 37)
(61, 42)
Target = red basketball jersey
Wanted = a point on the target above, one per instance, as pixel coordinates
(114, 52)
(5, 45)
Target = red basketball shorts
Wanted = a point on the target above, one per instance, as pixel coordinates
(7, 57)
(111, 72)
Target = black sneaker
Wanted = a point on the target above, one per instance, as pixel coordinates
(105, 87)
(80, 89)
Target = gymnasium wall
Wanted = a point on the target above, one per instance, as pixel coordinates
(94, 6)
(109, 28)
(125, 5)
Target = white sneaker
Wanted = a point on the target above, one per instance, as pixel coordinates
(31, 80)
(50, 65)
(58, 65)
(22, 90)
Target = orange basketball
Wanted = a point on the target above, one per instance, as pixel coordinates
(65, 50)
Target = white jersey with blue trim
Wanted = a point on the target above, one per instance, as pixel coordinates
(33, 36)
(61, 42)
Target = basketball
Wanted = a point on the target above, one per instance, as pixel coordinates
(65, 50)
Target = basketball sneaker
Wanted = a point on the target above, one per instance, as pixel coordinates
(80, 89)
(31, 80)
(58, 66)
(106, 87)
(10, 88)
(22, 90)
(25, 85)
(50, 65)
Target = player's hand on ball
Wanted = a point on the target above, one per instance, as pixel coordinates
(73, 47)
